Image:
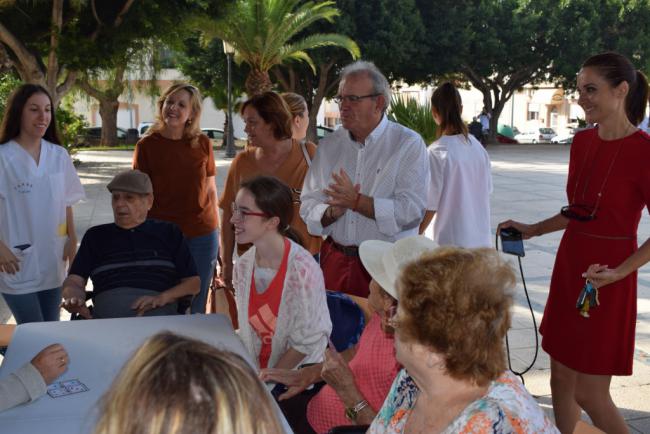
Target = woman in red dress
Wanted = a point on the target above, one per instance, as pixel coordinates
(607, 188)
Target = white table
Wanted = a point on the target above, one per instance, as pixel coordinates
(98, 349)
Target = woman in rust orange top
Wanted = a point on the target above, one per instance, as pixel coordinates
(179, 160)
(274, 152)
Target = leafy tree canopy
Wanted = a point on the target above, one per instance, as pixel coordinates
(268, 33)
(501, 45)
(206, 66)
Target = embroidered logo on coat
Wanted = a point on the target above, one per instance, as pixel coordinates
(24, 187)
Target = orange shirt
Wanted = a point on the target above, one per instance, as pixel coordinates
(178, 173)
(263, 308)
(292, 172)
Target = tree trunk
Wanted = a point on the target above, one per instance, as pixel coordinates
(313, 96)
(108, 111)
(258, 82)
(31, 69)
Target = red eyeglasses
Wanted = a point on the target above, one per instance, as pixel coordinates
(239, 214)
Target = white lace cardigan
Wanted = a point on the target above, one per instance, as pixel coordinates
(303, 317)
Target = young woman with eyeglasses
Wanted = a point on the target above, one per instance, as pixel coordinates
(607, 188)
(282, 310)
(180, 162)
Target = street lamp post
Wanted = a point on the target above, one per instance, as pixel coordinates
(229, 134)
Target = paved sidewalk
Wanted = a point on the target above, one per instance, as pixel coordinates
(529, 183)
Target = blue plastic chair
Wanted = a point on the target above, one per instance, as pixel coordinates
(347, 320)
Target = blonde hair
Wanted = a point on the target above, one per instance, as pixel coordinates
(457, 303)
(297, 104)
(178, 385)
(192, 129)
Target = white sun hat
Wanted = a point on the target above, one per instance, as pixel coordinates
(384, 260)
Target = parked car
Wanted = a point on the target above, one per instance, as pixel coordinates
(215, 134)
(536, 136)
(143, 127)
(92, 136)
(505, 139)
(566, 138)
(323, 131)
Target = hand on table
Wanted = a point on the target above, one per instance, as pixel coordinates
(527, 231)
(149, 302)
(601, 275)
(8, 261)
(51, 362)
(342, 193)
(296, 380)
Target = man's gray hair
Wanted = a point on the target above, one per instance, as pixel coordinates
(379, 83)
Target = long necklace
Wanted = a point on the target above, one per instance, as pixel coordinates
(588, 180)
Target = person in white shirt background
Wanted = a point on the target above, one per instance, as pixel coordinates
(461, 182)
(38, 186)
(368, 180)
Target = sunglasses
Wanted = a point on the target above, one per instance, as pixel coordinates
(582, 213)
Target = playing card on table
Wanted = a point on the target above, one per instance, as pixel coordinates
(63, 388)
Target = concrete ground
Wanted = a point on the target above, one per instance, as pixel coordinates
(529, 183)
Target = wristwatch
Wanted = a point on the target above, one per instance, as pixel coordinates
(352, 412)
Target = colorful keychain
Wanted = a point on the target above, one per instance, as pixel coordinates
(587, 299)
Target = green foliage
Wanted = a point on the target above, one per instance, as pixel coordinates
(69, 125)
(500, 46)
(598, 26)
(390, 33)
(8, 82)
(207, 68)
(266, 33)
(415, 116)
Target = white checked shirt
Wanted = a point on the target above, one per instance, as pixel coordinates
(392, 167)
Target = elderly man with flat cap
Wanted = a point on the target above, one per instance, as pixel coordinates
(137, 266)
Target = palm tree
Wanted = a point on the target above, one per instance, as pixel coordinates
(266, 33)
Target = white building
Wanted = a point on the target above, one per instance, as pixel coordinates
(137, 107)
(530, 108)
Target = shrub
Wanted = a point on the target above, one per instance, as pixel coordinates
(415, 116)
(70, 125)
(8, 82)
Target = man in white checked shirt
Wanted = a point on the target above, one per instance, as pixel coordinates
(368, 180)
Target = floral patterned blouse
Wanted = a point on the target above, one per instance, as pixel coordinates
(506, 408)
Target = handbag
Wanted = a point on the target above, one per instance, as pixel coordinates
(216, 294)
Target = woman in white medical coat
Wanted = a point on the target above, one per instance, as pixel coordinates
(38, 186)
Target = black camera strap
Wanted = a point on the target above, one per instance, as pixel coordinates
(520, 374)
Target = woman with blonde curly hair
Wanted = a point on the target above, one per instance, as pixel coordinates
(180, 162)
(453, 314)
(178, 385)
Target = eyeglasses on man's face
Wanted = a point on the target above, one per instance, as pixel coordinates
(240, 214)
(340, 99)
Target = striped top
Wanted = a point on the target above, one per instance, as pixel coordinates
(152, 256)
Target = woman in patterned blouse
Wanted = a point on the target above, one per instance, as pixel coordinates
(453, 314)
